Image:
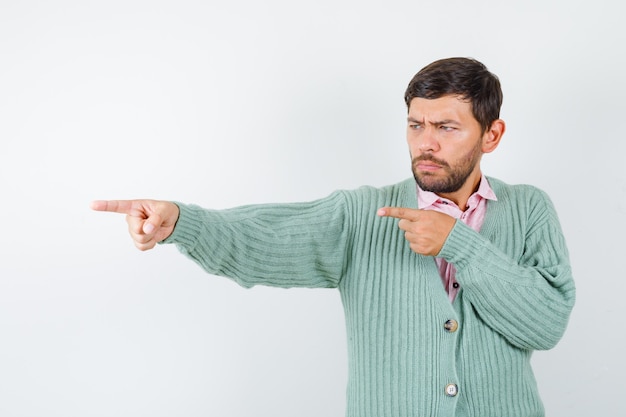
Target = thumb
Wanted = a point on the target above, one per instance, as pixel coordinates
(152, 223)
(148, 228)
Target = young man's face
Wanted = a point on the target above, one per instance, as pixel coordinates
(446, 144)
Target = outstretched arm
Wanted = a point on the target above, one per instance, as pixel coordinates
(149, 221)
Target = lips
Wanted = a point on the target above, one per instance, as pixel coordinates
(427, 163)
(427, 166)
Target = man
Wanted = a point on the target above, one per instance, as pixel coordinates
(416, 347)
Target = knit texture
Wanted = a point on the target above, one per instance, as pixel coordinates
(516, 292)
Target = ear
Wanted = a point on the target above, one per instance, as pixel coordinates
(491, 138)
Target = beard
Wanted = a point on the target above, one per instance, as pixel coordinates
(457, 174)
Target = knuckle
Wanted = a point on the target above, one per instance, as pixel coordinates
(144, 246)
(143, 239)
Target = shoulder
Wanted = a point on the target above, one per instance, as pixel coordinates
(516, 191)
(522, 198)
(399, 194)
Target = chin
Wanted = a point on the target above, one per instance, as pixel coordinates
(437, 186)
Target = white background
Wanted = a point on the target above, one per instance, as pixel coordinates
(229, 103)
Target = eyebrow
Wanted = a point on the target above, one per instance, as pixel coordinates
(439, 123)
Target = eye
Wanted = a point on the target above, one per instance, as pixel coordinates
(414, 126)
(448, 128)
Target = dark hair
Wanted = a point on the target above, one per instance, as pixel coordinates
(463, 77)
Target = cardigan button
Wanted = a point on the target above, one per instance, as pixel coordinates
(452, 390)
(451, 325)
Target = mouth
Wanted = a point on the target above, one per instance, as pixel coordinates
(427, 166)
(428, 163)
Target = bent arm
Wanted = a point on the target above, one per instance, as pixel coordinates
(526, 296)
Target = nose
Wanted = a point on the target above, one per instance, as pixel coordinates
(427, 141)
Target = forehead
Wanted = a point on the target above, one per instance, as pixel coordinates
(442, 108)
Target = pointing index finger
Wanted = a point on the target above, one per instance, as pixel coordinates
(398, 213)
(113, 206)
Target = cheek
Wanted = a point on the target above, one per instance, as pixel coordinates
(412, 142)
(413, 150)
(409, 136)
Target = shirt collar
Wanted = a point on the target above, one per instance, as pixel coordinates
(428, 198)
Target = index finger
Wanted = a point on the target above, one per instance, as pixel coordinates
(399, 213)
(113, 206)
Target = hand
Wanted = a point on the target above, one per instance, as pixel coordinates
(425, 230)
(149, 221)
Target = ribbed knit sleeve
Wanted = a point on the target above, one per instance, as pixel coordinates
(284, 245)
(516, 272)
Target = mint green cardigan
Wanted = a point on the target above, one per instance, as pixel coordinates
(516, 292)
